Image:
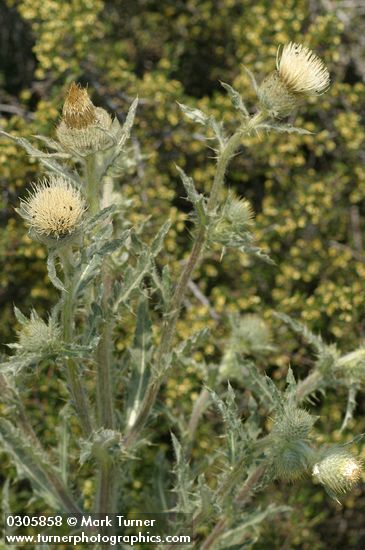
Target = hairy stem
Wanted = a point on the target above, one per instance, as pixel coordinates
(73, 376)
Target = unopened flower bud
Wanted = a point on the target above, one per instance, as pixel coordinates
(299, 73)
(291, 459)
(36, 336)
(53, 209)
(235, 218)
(338, 471)
(84, 128)
(293, 423)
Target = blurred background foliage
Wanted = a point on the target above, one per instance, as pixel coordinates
(307, 191)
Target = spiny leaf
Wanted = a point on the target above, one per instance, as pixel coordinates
(236, 99)
(209, 121)
(284, 128)
(241, 536)
(133, 277)
(157, 243)
(29, 462)
(47, 160)
(52, 273)
(197, 199)
(184, 482)
(299, 328)
(194, 114)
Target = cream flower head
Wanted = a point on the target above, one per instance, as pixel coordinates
(53, 208)
(301, 70)
(299, 73)
(338, 471)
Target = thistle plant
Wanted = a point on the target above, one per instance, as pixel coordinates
(104, 269)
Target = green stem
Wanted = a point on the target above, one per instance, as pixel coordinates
(107, 482)
(169, 326)
(92, 184)
(73, 377)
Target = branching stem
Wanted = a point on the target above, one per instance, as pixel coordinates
(163, 360)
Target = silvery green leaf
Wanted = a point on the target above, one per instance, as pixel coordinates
(47, 160)
(87, 274)
(22, 319)
(100, 218)
(236, 437)
(157, 243)
(257, 252)
(315, 340)
(197, 199)
(194, 114)
(209, 121)
(284, 128)
(236, 99)
(52, 273)
(163, 284)
(28, 461)
(183, 479)
(110, 246)
(120, 136)
(261, 385)
(241, 536)
(16, 363)
(133, 277)
(139, 361)
(52, 144)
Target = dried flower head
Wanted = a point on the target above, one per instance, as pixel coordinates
(84, 128)
(78, 110)
(53, 208)
(299, 73)
(338, 471)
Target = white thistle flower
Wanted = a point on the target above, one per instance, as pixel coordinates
(53, 208)
(299, 73)
(301, 70)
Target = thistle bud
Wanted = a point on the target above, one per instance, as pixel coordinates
(53, 209)
(293, 423)
(84, 128)
(338, 471)
(299, 73)
(291, 460)
(235, 219)
(37, 336)
(291, 455)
